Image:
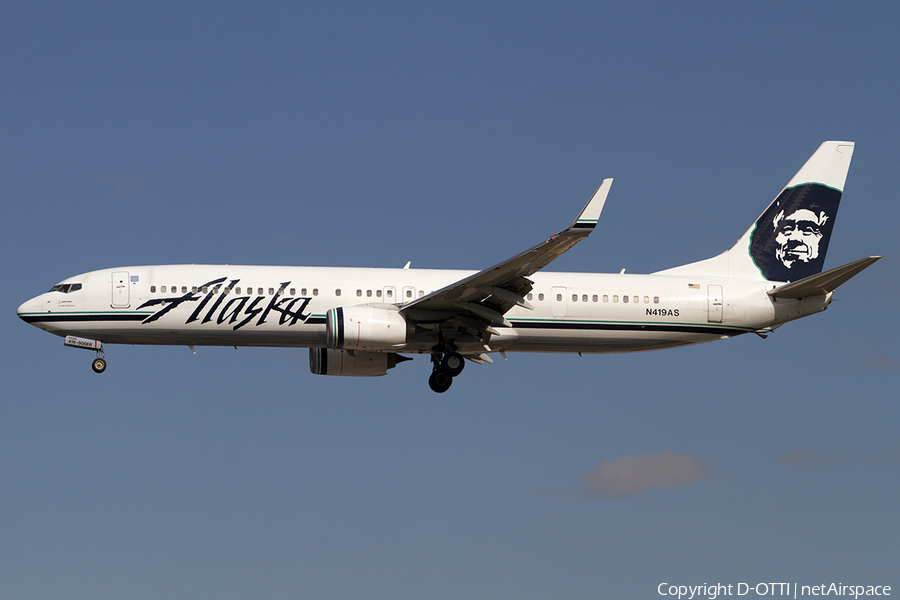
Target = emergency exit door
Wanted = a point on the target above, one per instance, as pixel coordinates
(558, 301)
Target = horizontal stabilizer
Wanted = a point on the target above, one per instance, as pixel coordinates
(822, 283)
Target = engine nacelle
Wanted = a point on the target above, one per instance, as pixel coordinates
(326, 361)
(367, 327)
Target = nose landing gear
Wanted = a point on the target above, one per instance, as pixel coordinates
(446, 366)
(99, 363)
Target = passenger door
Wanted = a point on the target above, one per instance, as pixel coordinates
(120, 291)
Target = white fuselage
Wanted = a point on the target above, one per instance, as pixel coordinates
(225, 305)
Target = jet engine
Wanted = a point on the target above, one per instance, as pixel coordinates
(327, 361)
(367, 327)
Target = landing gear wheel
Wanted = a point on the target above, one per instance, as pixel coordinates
(439, 381)
(452, 364)
(99, 365)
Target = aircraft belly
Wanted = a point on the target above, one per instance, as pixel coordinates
(604, 342)
(209, 334)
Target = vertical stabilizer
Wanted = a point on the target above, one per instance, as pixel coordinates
(789, 240)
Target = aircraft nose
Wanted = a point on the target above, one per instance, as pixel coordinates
(29, 308)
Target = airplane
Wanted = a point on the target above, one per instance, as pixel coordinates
(360, 322)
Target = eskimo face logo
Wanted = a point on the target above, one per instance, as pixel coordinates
(797, 236)
(790, 239)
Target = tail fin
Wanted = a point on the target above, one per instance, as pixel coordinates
(789, 240)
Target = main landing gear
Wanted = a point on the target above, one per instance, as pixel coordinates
(446, 367)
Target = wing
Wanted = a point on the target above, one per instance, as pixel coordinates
(477, 301)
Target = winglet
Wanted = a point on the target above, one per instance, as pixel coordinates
(591, 211)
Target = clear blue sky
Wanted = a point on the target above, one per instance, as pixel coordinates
(450, 135)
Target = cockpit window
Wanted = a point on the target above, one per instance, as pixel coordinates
(66, 288)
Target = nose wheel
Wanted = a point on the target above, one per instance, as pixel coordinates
(99, 364)
(446, 367)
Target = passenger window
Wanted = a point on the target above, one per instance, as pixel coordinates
(636, 299)
(655, 299)
(204, 289)
(378, 293)
(315, 291)
(624, 298)
(237, 290)
(184, 289)
(574, 297)
(368, 293)
(152, 289)
(359, 293)
(584, 298)
(302, 291)
(540, 297)
(194, 289)
(559, 297)
(163, 289)
(594, 298)
(605, 298)
(529, 297)
(646, 300)
(390, 293)
(409, 293)
(615, 298)
(337, 292)
(421, 293)
(293, 291)
(259, 291)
